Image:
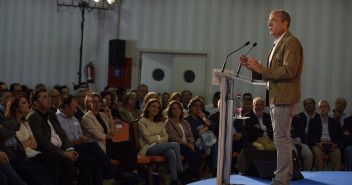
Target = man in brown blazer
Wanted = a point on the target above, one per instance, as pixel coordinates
(283, 74)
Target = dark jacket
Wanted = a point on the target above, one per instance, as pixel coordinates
(347, 139)
(41, 131)
(255, 132)
(315, 130)
(304, 118)
(298, 129)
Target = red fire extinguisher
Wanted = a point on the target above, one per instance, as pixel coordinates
(89, 71)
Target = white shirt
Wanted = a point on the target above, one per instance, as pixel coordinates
(211, 109)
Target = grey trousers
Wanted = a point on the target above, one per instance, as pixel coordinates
(281, 117)
(306, 156)
(171, 150)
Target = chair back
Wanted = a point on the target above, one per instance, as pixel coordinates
(122, 131)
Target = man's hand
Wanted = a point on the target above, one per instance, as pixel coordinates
(347, 133)
(251, 64)
(256, 125)
(84, 139)
(320, 146)
(4, 159)
(191, 145)
(334, 146)
(72, 155)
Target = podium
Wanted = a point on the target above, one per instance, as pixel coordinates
(226, 80)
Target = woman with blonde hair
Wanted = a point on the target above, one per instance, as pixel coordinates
(128, 111)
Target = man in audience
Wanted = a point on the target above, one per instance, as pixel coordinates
(84, 85)
(259, 126)
(16, 90)
(50, 137)
(247, 105)
(3, 86)
(347, 142)
(64, 91)
(338, 112)
(73, 130)
(81, 107)
(5, 95)
(308, 113)
(40, 86)
(324, 133)
(186, 97)
(142, 90)
(299, 142)
(213, 107)
(55, 99)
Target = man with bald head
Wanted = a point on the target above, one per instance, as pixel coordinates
(283, 76)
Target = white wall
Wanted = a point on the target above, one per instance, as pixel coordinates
(40, 44)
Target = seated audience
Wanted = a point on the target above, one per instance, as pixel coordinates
(149, 96)
(16, 89)
(64, 91)
(121, 93)
(109, 99)
(154, 139)
(213, 106)
(259, 126)
(347, 142)
(338, 113)
(72, 128)
(5, 95)
(111, 89)
(299, 142)
(99, 126)
(142, 91)
(84, 85)
(31, 172)
(51, 138)
(55, 98)
(128, 111)
(324, 133)
(18, 108)
(180, 131)
(3, 86)
(81, 107)
(164, 100)
(40, 86)
(203, 131)
(186, 98)
(247, 104)
(308, 113)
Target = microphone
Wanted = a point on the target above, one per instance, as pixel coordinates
(223, 66)
(239, 67)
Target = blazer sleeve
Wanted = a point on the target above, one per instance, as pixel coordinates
(89, 124)
(40, 131)
(288, 56)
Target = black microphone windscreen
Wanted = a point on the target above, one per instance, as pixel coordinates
(247, 43)
(255, 44)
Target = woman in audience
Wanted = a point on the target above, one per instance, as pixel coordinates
(99, 127)
(150, 95)
(174, 96)
(164, 100)
(109, 98)
(128, 111)
(180, 131)
(154, 139)
(17, 108)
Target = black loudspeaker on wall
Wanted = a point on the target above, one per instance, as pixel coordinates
(261, 163)
(117, 50)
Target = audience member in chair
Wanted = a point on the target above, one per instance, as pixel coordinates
(154, 138)
(5, 95)
(347, 142)
(81, 95)
(203, 131)
(51, 138)
(324, 133)
(259, 126)
(164, 100)
(128, 111)
(180, 131)
(18, 109)
(186, 98)
(299, 142)
(308, 113)
(99, 127)
(338, 113)
(82, 144)
(142, 91)
(213, 106)
(55, 98)
(109, 99)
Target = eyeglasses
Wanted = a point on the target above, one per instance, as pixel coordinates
(272, 21)
(97, 102)
(56, 96)
(43, 98)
